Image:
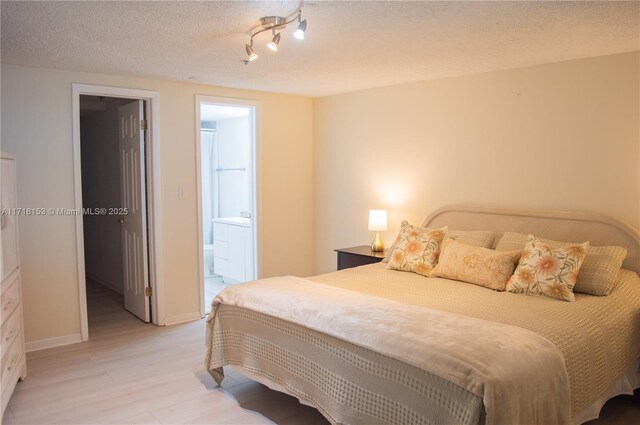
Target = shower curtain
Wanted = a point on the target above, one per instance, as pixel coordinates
(207, 140)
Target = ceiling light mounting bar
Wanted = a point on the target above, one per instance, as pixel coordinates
(272, 23)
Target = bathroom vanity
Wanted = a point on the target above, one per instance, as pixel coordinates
(233, 259)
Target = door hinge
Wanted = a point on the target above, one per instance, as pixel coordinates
(148, 291)
(143, 124)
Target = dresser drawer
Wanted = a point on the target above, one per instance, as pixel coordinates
(12, 369)
(11, 361)
(10, 297)
(10, 376)
(11, 328)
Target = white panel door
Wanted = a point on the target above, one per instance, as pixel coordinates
(134, 223)
(8, 221)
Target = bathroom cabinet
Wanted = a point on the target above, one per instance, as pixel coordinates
(232, 249)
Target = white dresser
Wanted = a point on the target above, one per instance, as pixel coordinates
(13, 361)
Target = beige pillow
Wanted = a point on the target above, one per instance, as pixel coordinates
(477, 265)
(417, 249)
(483, 238)
(599, 270)
(544, 271)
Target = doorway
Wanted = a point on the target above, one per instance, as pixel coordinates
(226, 146)
(114, 210)
(116, 167)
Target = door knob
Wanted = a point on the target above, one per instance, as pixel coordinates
(121, 220)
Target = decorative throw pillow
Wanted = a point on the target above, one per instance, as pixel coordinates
(599, 271)
(477, 265)
(483, 238)
(417, 249)
(546, 271)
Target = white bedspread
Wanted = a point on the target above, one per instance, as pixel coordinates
(520, 375)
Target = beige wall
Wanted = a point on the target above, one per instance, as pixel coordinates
(558, 136)
(36, 127)
(561, 136)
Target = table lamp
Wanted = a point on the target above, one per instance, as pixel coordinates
(377, 223)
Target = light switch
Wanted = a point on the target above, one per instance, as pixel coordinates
(180, 192)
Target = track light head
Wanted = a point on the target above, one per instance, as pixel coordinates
(299, 34)
(252, 55)
(273, 45)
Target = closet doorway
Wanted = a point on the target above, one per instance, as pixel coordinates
(226, 147)
(116, 167)
(114, 204)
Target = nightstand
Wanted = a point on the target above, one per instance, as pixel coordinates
(357, 256)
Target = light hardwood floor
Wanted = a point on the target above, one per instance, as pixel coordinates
(133, 373)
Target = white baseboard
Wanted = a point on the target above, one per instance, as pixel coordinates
(182, 318)
(107, 284)
(59, 341)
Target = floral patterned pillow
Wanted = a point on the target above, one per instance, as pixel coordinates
(599, 271)
(547, 272)
(417, 249)
(474, 264)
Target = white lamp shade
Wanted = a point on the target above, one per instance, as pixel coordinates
(378, 220)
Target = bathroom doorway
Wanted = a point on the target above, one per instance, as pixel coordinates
(226, 142)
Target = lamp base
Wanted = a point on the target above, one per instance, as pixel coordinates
(377, 245)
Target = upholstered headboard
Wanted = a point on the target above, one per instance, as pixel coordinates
(563, 226)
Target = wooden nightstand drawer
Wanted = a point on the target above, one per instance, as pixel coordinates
(357, 256)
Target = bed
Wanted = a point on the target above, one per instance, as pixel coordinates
(374, 346)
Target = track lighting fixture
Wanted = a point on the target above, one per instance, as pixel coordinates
(273, 45)
(273, 24)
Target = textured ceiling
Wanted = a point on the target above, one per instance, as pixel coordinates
(349, 45)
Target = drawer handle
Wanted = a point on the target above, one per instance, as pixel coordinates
(11, 365)
(6, 305)
(9, 335)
